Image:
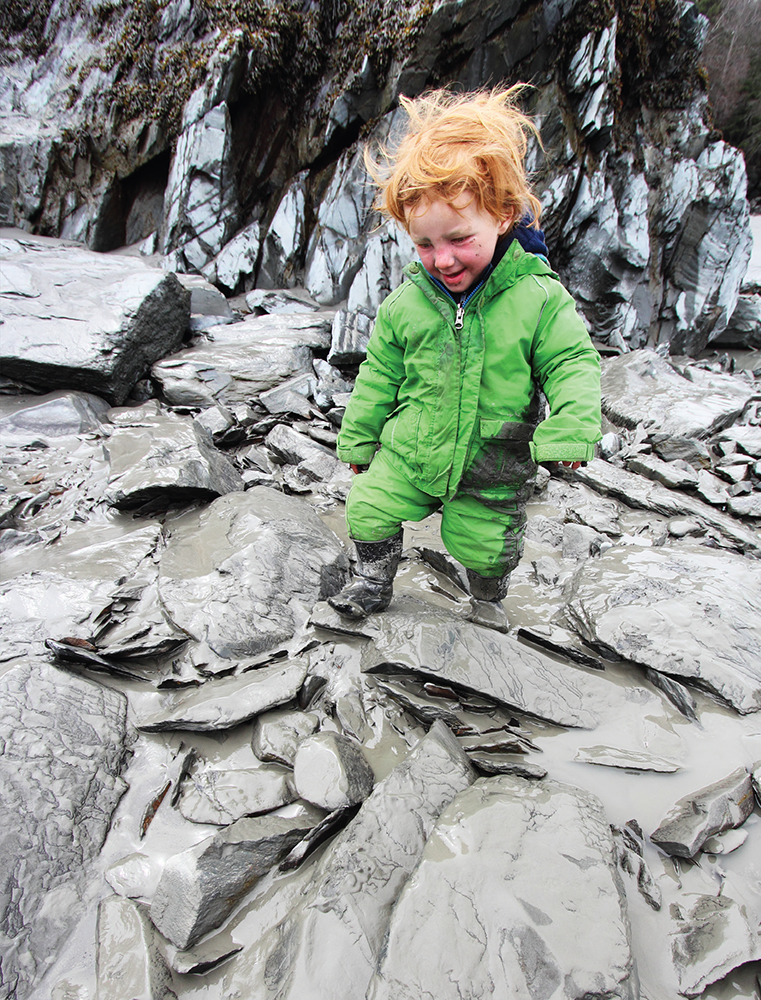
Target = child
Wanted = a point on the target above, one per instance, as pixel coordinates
(445, 413)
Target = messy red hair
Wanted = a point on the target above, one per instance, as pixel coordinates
(454, 143)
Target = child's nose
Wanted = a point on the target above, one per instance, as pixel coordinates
(443, 257)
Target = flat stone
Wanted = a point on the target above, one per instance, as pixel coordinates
(720, 806)
(628, 759)
(60, 781)
(694, 615)
(56, 416)
(221, 704)
(157, 456)
(200, 887)
(241, 574)
(416, 637)
(113, 316)
(511, 885)
(331, 771)
(641, 387)
(667, 473)
(222, 796)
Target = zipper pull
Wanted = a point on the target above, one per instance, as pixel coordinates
(459, 316)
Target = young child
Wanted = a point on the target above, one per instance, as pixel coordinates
(447, 409)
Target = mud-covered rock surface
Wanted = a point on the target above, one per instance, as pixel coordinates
(216, 785)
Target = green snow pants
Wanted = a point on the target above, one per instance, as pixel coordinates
(482, 526)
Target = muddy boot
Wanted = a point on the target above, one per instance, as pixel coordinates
(372, 586)
(486, 596)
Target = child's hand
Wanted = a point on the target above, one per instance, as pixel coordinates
(356, 469)
(572, 465)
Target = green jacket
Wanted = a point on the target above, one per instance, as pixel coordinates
(433, 395)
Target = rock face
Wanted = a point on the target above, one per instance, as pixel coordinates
(490, 911)
(74, 319)
(61, 778)
(227, 176)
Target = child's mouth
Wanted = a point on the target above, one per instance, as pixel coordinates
(452, 279)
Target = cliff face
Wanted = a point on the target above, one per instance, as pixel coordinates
(225, 135)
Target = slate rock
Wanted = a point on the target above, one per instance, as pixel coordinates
(58, 415)
(723, 805)
(241, 574)
(114, 317)
(223, 796)
(414, 636)
(515, 880)
(331, 771)
(221, 704)
(163, 458)
(667, 473)
(689, 614)
(349, 338)
(277, 734)
(327, 946)
(641, 387)
(60, 779)
(200, 887)
(129, 963)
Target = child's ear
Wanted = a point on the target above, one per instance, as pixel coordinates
(506, 224)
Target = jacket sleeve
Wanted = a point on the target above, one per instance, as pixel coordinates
(567, 367)
(374, 396)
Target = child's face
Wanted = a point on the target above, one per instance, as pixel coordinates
(455, 240)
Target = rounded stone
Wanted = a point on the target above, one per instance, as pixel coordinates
(331, 771)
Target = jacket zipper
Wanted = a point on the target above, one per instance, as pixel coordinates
(459, 318)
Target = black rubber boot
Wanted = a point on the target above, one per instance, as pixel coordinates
(373, 584)
(486, 596)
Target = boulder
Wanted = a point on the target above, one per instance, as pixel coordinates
(73, 319)
(331, 771)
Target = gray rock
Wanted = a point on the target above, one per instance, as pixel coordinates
(683, 613)
(129, 964)
(326, 947)
(160, 457)
(277, 734)
(221, 796)
(241, 575)
(330, 382)
(715, 935)
(416, 637)
(281, 300)
(290, 447)
(291, 396)
(578, 540)
(60, 780)
(744, 326)
(114, 317)
(666, 473)
(237, 259)
(205, 299)
(349, 338)
(331, 771)
(645, 495)
(514, 880)
(59, 415)
(285, 237)
(221, 704)
(723, 805)
(674, 449)
(641, 387)
(200, 887)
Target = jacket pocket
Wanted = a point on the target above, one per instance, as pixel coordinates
(500, 456)
(401, 433)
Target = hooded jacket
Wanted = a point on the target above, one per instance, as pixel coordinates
(446, 381)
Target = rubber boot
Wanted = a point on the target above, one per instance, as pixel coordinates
(372, 587)
(486, 596)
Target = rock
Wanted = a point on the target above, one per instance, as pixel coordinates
(237, 259)
(281, 300)
(200, 887)
(277, 734)
(241, 574)
(349, 338)
(723, 805)
(221, 796)
(129, 964)
(744, 326)
(61, 780)
(291, 396)
(330, 771)
(717, 934)
(613, 757)
(646, 495)
(642, 387)
(687, 614)
(59, 415)
(285, 236)
(666, 473)
(205, 299)
(224, 703)
(513, 879)
(161, 458)
(114, 317)
(328, 944)
(290, 447)
(413, 636)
